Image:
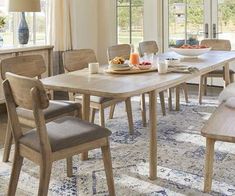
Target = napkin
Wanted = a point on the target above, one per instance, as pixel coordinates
(182, 69)
(227, 96)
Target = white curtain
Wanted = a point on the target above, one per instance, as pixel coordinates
(60, 27)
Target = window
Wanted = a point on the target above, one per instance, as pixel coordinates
(36, 23)
(130, 15)
(186, 22)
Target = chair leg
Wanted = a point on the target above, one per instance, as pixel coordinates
(170, 99)
(8, 142)
(143, 110)
(210, 143)
(16, 168)
(205, 86)
(108, 169)
(111, 113)
(92, 115)
(45, 174)
(200, 89)
(177, 98)
(231, 78)
(101, 117)
(69, 166)
(129, 115)
(162, 101)
(185, 89)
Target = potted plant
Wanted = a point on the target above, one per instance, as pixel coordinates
(2, 24)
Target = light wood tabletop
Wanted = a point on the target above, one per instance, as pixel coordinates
(123, 86)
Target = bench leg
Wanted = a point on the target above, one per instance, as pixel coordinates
(210, 143)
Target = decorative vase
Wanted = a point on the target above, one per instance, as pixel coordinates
(23, 31)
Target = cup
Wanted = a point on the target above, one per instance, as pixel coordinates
(134, 59)
(93, 68)
(148, 57)
(162, 68)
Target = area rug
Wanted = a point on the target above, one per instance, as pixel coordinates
(181, 153)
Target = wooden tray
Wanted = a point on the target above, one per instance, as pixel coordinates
(131, 71)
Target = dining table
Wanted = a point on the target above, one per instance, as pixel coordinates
(128, 85)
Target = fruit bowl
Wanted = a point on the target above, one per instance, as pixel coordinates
(191, 52)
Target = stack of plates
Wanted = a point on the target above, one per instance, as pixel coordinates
(119, 67)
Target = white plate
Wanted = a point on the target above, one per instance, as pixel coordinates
(119, 67)
(191, 52)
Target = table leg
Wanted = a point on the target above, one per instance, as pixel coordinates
(85, 116)
(226, 75)
(153, 136)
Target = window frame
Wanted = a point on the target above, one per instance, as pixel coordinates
(130, 19)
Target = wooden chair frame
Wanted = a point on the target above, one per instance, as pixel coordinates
(37, 101)
(32, 66)
(79, 59)
(216, 44)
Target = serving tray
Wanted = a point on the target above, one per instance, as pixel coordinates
(131, 71)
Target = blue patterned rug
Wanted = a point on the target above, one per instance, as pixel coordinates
(181, 152)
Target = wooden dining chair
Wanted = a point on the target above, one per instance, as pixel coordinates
(220, 127)
(120, 50)
(60, 139)
(79, 59)
(215, 44)
(33, 66)
(152, 47)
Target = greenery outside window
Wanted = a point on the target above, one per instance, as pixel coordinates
(130, 14)
(36, 22)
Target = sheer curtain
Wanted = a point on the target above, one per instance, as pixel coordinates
(60, 31)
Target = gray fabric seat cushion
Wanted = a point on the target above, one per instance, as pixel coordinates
(66, 132)
(94, 99)
(55, 109)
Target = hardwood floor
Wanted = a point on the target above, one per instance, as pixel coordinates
(193, 90)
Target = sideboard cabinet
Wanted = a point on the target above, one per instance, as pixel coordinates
(45, 51)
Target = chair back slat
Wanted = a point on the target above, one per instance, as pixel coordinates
(21, 90)
(148, 47)
(29, 66)
(217, 44)
(78, 59)
(121, 50)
